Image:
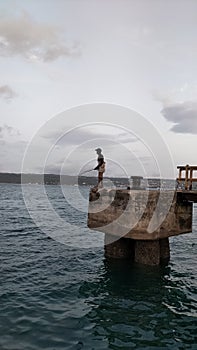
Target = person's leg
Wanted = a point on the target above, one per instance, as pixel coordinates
(100, 179)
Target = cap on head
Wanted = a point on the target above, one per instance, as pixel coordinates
(98, 150)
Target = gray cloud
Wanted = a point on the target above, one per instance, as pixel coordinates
(8, 131)
(7, 93)
(33, 40)
(82, 135)
(183, 115)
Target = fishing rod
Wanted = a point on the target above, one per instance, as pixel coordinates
(87, 171)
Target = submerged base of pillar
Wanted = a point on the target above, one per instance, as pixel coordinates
(152, 252)
(164, 250)
(145, 252)
(123, 248)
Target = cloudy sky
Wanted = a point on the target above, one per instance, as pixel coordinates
(56, 55)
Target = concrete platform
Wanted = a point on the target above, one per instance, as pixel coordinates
(138, 223)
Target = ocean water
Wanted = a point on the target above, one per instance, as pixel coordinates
(68, 296)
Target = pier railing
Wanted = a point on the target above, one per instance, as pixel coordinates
(186, 176)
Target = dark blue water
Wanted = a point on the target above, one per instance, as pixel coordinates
(57, 296)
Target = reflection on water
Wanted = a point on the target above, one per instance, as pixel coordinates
(131, 307)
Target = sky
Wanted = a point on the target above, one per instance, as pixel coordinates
(81, 74)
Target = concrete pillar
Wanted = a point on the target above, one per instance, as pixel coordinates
(147, 252)
(141, 251)
(122, 248)
(136, 182)
(110, 211)
(164, 250)
(152, 252)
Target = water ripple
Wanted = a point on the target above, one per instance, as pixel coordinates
(56, 297)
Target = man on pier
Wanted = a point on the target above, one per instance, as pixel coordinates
(100, 167)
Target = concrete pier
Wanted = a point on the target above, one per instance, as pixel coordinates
(138, 223)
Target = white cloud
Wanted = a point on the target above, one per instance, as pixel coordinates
(6, 92)
(85, 134)
(33, 40)
(8, 133)
(11, 150)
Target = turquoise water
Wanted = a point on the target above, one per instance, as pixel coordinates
(57, 296)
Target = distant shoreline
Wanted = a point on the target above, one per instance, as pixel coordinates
(54, 179)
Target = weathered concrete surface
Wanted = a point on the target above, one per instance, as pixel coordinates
(140, 215)
(145, 252)
(121, 248)
(164, 250)
(137, 223)
(152, 252)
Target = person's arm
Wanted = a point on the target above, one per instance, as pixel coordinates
(100, 162)
(97, 167)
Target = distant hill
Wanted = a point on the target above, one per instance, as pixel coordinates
(53, 179)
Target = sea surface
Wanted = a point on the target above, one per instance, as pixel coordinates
(59, 296)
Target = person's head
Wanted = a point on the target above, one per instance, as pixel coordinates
(98, 150)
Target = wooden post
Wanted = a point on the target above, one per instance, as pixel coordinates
(186, 176)
(191, 176)
(180, 173)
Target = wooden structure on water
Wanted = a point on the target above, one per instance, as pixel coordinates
(189, 177)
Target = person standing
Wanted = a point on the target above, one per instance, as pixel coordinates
(100, 166)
